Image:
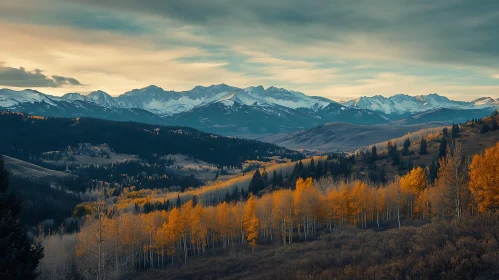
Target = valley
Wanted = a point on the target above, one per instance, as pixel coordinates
(252, 139)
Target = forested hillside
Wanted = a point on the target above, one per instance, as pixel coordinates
(384, 161)
(358, 228)
(26, 137)
(67, 160)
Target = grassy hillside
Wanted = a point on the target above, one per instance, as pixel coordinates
(344, 136)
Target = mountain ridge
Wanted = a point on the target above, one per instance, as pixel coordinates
(247, 112)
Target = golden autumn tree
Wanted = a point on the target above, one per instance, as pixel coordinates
(308, 205)
(186, 213)
(484, 180)
(412, 185)
(252, 229)
(251, 221)
(337, 201)
(358, 203)
(173, 230)
(221, 217)
(283, 214)
(198, 229)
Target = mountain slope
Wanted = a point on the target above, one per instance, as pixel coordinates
(32, 172)
(343, 136)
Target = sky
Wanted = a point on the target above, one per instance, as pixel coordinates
(332, 48)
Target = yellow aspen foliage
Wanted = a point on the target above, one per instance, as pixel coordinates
(251, 222)
(174, 228)
(198, 227)
(249, 212)
(253, 231)
(484, 179)
(221, 228)
(415, 181)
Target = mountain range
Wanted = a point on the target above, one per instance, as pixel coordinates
(248, 112)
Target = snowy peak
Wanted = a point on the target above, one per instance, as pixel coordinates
(286, 98)
(103, 99)
(486, 101)
(74, 96)
(11, 98)
(158, 101)
(402, 103)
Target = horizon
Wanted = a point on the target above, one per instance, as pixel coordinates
(340, 51)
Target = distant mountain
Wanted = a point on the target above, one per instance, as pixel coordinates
(486, 101)
(404, 104)
(222, 109)
(343, 136)
(247, 112)
(444, 115)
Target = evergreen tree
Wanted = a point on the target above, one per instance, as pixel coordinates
(396, 160)
(227, 197)
(407, 144)
(423, 146)
(302, 171)
(433, 171)
(455, 131)
(274, 179)
(257, 184)
(265, 177)
(319, 169)
(445, 132)
(178, 201)
(311, 167)
(19, 255)
(236, 195)
(494, 124)
(374, 154)
(485, 128)
(393, 150)
(280, 179)
(194, 200)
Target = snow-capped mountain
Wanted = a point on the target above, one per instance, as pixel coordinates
(405, 104)
(103, 99)
(486, 101)
(11, 98)
(159, 101)
(251, 111)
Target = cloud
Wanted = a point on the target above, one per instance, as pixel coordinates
(455, 32)
(20, 77)
(66, 80)
(111, 62)
(325, 47)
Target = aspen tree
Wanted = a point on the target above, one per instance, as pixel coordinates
(484, 180)
(251, 222)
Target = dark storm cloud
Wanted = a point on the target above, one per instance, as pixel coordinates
(19, 77)
(456, 31)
